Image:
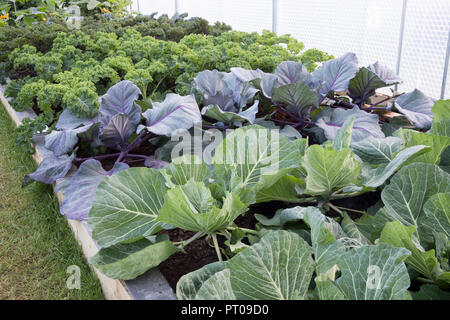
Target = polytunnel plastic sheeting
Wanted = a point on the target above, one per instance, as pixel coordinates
(150, 6)
(425, 43)
(370, 28)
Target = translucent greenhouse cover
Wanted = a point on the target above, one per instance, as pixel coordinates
(370, 28)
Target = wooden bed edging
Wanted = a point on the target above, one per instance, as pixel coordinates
(150, 286)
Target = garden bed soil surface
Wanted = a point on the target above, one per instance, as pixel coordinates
(201, 252)
(198, 254)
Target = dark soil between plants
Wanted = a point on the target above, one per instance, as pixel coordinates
(198, 254)
(201, 252)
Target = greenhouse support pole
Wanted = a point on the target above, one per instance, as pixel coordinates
(176, 6)
(447, 58)
(400, 40)
(275, 16)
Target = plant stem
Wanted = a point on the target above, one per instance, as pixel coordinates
(384, 100)
(301, 122)
(137, 156)
(226, 234)
(286, 112)
(284, 122)
(319, 102)
(190, 240)
(424, 280)
(243, 229)
(121, 156)
(335, 196)
(334, 208)
(348, 209)
(374, 108)
(140, 139)
(124, 153)
(134, 161)
(159, 82)
(216, 246)
(344, 104)
(102, 157)
(308, 122)
(306, 200)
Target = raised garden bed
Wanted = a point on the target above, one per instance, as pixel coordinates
(348, 195)
(237, 166)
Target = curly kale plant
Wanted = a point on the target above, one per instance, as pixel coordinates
(81, 66)
(82, 100)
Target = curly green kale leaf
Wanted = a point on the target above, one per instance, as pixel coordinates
(50, 97)
(82, 100)
(27, 95)
(141, 78)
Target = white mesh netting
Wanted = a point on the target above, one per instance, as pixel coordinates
(370, 28)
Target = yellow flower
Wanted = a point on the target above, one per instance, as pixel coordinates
(6, 17)
(104, 10)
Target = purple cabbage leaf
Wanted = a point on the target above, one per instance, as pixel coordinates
(69, 127)
(67, 121)
(287, 72)
(225, 96)
(51, 169)
(120, 98)
(245, 75)
(92, 135)
(368, 79)
(298, 98)
(416, 107)
(80, 191)
(364, 125)
(62, 142)
(335, 75)
(290, 72)
(118, 131)
(174, 113)
(214, 112)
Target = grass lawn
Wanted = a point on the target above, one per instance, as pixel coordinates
(36, 244)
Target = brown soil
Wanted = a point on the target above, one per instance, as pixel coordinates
(201, 252)
(145, 148)
(35, 107)
(198, 254)
(24, 73)
(360, 203)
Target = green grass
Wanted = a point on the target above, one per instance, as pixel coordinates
(36, 243)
